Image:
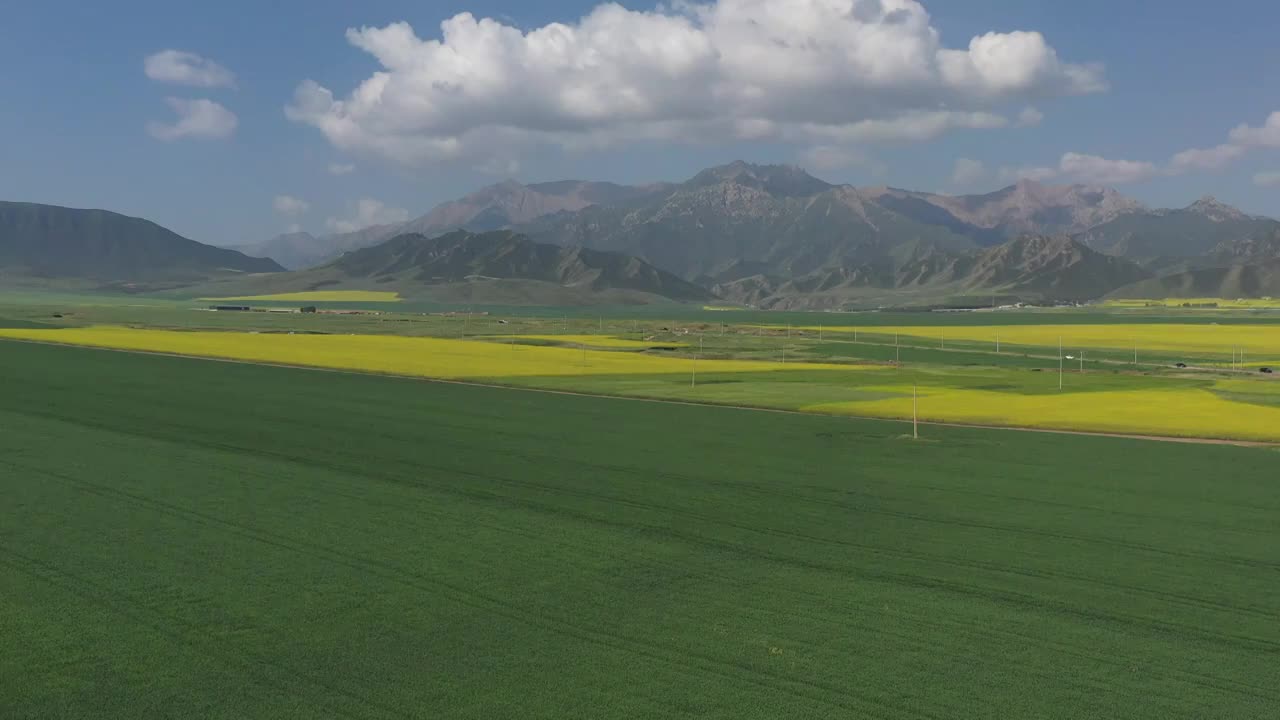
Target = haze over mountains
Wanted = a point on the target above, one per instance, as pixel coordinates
(775, 236)
(764, 235)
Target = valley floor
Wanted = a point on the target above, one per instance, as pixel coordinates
(185, 538)
(889, 372)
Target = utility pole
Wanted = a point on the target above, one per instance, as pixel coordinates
(1059, 362)
(693, 382)
(915, 415)
(997, 342)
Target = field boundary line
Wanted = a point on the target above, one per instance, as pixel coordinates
(690, 403)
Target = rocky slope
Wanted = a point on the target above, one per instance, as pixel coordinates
(1026, 207)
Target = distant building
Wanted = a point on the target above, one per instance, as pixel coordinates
(231, 308)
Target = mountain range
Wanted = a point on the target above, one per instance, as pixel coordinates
(775, 236)
(770, 236)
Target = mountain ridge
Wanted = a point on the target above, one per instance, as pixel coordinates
(497, 267)
(99, 246)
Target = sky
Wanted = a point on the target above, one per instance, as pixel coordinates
(234, 121)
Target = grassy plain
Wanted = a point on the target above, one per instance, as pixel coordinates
(1198, 303)
(1098, 400)
(338, 296)
(185, 538)
(806, 367)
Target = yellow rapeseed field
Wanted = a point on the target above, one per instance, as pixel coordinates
(601, 341)
(316, 296)
(1176, 412)
(1256, 340)
(424, 357)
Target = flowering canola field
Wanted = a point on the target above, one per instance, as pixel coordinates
(1175, 412)
(1231, 409)
(418, 356)
(1258, 340)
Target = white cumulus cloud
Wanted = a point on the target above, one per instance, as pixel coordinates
(289, 205)
(968, 172)
(1266, 136)
(369, 212)
(1214, 158)
(186, 68)
(1088, 169)
(1029, 117)
(197, 119)
(1102, 171)
(812, 71)
(1270, 178)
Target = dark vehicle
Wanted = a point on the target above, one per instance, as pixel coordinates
(1266, 370)
(1181, 366)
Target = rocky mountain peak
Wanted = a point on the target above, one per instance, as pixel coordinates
(1210, 207)
(778, 180)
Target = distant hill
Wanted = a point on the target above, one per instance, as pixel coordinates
(1235, 281)
(1058, 268)
(499, 267)
(1196, 231)
(1030, 268)
(302, 250)
(50, 242)
(292, 250)
(1259, 246)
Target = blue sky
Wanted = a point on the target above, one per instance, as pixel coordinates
(77, 105)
